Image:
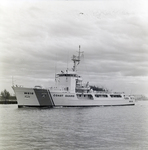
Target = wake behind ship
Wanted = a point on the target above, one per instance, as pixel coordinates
(69, 91)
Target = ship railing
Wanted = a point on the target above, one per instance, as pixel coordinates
(64, 89)
(38, 87)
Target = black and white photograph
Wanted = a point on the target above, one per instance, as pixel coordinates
(74, 74)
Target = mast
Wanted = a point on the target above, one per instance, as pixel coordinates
(76, 59)
(12, 81)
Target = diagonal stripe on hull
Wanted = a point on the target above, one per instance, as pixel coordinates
(43, 97)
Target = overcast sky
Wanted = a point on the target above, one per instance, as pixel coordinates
(38, 36)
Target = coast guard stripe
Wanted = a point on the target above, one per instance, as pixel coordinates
(51, 97)
(43, 97)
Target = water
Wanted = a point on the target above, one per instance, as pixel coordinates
(93, 128)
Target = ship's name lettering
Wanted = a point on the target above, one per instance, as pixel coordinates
(57, 95)
(27, 96)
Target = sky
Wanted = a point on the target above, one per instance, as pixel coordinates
(39, 37)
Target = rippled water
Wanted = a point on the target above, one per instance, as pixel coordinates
(93, 128)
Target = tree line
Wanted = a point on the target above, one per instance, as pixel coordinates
(5, 95)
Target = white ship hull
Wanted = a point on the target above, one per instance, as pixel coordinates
(69, 91)
(46, 98)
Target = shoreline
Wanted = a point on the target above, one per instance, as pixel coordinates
(8, 102)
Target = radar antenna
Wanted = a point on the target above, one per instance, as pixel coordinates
(76, 59)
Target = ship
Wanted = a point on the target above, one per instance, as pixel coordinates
(69, 91)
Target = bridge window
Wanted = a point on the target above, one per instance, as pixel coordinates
(67, 75)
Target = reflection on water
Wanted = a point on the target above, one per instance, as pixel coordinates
(93, 128)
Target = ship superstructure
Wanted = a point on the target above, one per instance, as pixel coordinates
(69, 91)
